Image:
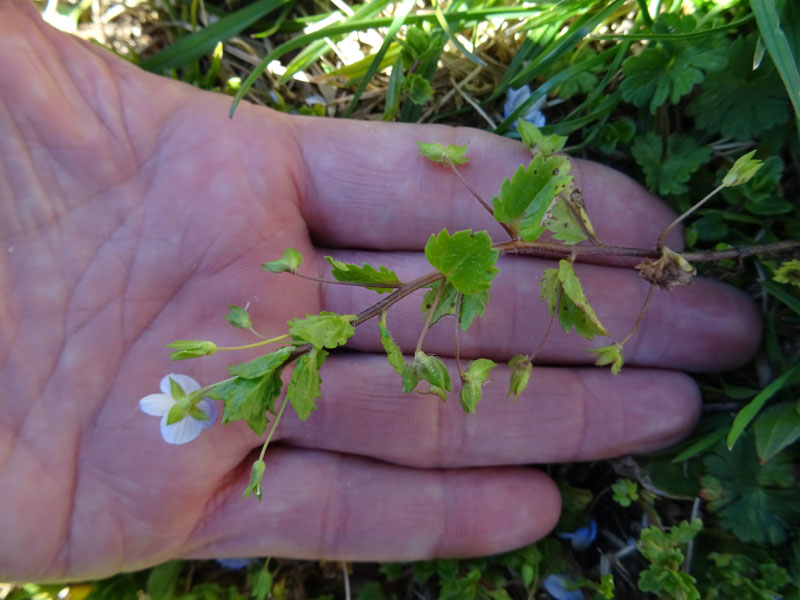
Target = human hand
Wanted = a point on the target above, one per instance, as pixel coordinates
(132, 211)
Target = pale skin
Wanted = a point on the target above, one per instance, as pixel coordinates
(133, 210)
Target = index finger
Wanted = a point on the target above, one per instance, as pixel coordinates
(366, 186)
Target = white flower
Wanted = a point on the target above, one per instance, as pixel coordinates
(516, 97)
(159, 405)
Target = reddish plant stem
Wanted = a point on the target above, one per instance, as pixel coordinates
(432, 310)
(549, 329)
(458, 345)
(478, 197)
(640, 316)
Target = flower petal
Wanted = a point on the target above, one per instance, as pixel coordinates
(157, 405)
(181, 432)
(556, 586)
(514, 98)
(208, 407)
(188, 384)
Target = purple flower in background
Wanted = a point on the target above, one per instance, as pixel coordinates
(582, 537)
(236, 564)
(159, 405)
(556, 586)
(516, 97)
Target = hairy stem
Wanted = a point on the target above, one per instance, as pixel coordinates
(432, 310)
(393, 298)
(669, 227)
(274, 426)
(457, 336)
(477, 196)
(549, 329)
(255, 344)
(640, 316)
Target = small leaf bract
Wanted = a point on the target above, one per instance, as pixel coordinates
(290, 262)
(443, 154)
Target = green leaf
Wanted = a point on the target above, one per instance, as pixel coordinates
(741, 102)
(466, 259)
(476, 375)
(574, 309)
(393, 351)
(417, 88)
(163, 580)
(562, 219)
(536, 140)
(263, 581)
(325, 330)
(742, 170)
(365, 274)
(442, 154)
(191, 349)
(775, 429)
(662, 548)
(551, 289)
(609, 355)
(290, 262)
(263, 365)
(788, 272)
(521, 369)
(304, 387)
(472, 307)
(249, 399)
(447, 301)
(759, 503)
(668, 170)
(750, 410)
(256, 475)
(238, 317)
(203, 41)
(625, 492)
(670, 70)
(524, 199)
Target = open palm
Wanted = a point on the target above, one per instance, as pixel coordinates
(133, 210)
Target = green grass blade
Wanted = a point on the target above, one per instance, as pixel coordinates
(315, 50)
(402, 13)
(703, 443)
(452, 36)
(202, 42)
(582, 27)
(782, 295)
(748, 413)
(766, 14)
(667, 37)
(304, 40)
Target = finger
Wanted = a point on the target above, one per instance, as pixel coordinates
(346, 508)
(564, 415)
(368, 187)
(704, 326)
